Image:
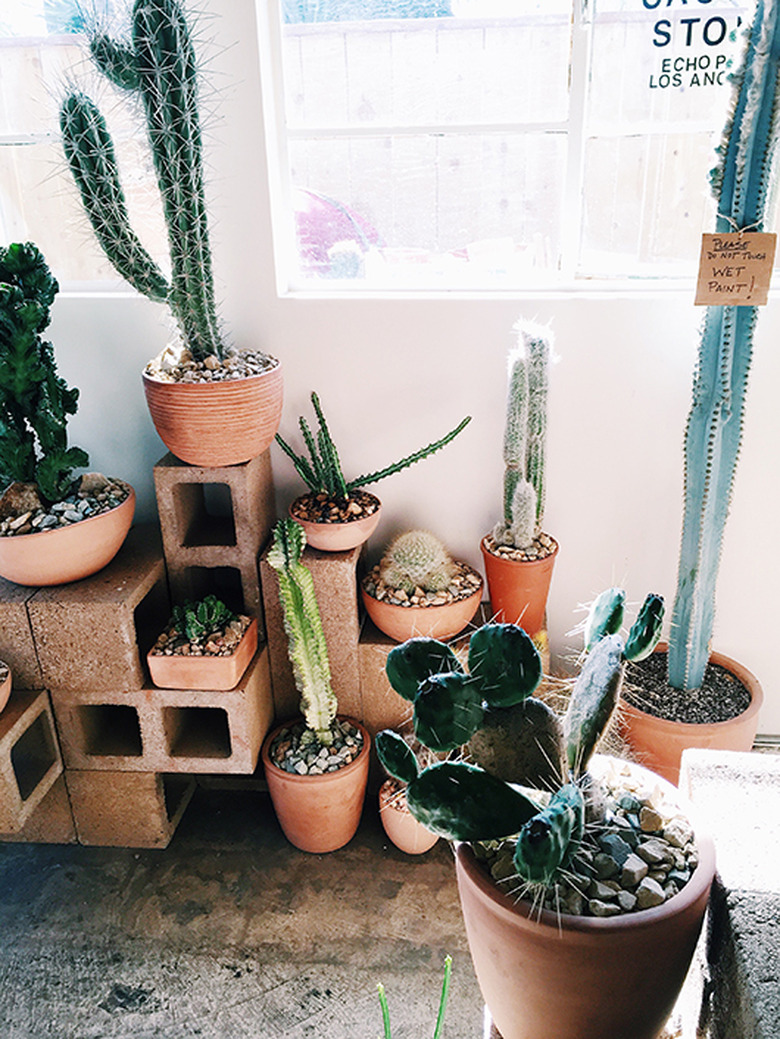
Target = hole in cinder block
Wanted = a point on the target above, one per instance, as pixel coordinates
(33, 755)
(197, 732)
(110, 730)
(222, 581)
(204, 514)
(150, 617)
(174, 789)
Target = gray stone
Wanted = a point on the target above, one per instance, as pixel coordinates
(649, 894)
(634, 870)
(599, 908)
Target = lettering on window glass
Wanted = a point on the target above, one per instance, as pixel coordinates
(683, 32)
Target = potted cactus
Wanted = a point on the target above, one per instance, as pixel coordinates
(335, 513)
(317, 767)
(54, 527)
(419, 589)
(205, 645)
(406, 832)
(518, 555)
(211, 405)
(709, 700)
(582, 884)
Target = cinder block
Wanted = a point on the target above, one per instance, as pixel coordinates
(336, 590)
(50, 823)
(30, 759)
(215, 520)
(17, 646)
(127, 809)
(168, 730)
(95, 633)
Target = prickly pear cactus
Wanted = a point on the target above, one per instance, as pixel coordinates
(417, 559)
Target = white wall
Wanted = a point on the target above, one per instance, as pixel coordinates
(395, 374)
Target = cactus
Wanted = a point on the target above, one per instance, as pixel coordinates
(157, 65)
(714, 429)
(34, 401)
(524, 437)
(322, 472)
(490, 707)
(306, 640)
(417, 559)
(202, 617)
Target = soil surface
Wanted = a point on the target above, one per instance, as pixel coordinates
(721, 696)
(541, 547)
(223, 642)
(177, 365)
(320, 508)
(465, 582)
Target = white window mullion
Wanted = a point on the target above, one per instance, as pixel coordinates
(575, 162)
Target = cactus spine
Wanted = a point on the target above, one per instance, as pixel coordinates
(306, 640)
(525, 436)
(416, 559)
(158, 66)
(714, 429)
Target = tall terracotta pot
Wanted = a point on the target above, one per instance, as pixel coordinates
(216, 423)
(518, 590)
(658, 743)
(319, 813)
(65, 554)
(580, 977)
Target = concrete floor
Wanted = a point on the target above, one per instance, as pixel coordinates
(231, 933)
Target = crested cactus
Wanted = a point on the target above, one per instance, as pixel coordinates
(158, 67)
(525, 436)
(417, 559)
(321, 471)
(454, 707)
(34, 401)
(714, 428)
(306, 641)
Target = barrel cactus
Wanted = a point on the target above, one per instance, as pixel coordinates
(417, 559)
(525, 435)
(513, 738)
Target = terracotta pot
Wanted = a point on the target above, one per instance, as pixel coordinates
(580, 977)
(338, 537)
(5, 688)
(404, 622)
(212, 673)
(319, 813)
(401, 826)
(66, 553)
(216, 423)
(518, 590)
(658, 743)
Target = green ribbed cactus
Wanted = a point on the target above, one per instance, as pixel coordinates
(525, 435)
(515, 739)
(157, 66)
(322, 472)
(714, 430)
(34, 401)
(416, 559)
(306, 640)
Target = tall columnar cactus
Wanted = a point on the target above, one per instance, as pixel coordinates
(34, 401)
(306, 640)
(417, 559)
(714, 429)
(493, 705)
(157, 66)
(525, 436)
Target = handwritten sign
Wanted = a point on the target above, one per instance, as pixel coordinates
(735, 269)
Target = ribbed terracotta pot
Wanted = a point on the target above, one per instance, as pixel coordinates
(518, 590)
(338, 537)
(5, 688)
(658, 743)
(204, 672)
(401, 827)
(319, 813)
(216, 423)
(406, 622)
(580, 977)
(69, 553)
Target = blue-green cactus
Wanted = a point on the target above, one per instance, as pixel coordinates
(306, 640)
(714, 428)
(158, 67)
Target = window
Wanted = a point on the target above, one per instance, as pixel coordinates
(493, 143)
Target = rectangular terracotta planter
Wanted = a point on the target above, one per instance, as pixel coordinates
(204, 672)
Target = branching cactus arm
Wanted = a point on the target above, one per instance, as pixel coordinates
(306, 640)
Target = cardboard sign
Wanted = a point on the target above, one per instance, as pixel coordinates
(735, 269)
